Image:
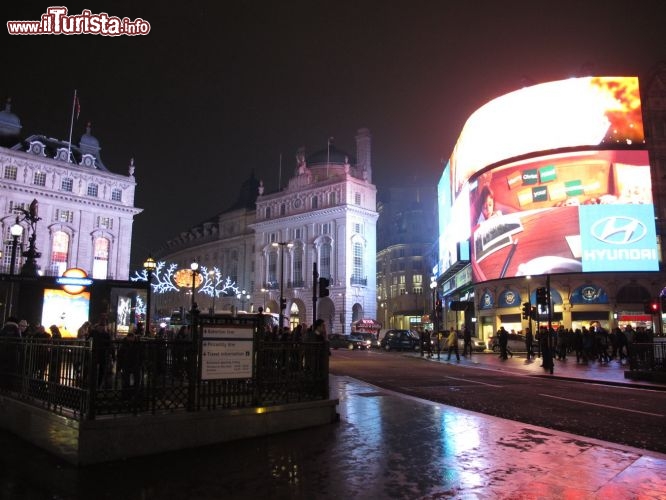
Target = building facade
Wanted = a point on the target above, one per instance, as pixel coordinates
(267, 244)
(325, 217)
(224, 247)
(562, 196)
(406, 230)
(85, 211)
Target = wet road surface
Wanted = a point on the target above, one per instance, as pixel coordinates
(386, 445)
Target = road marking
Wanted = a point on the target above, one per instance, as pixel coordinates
(474, 382)
(603, 406)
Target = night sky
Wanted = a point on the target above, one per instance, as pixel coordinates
(220, 89)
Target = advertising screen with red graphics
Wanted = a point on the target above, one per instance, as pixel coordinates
(576, 212)
(556, 178)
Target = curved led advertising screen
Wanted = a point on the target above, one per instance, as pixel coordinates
(585, 211)
(593, 112)
(556, 178)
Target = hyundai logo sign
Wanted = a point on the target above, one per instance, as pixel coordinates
(618, 230)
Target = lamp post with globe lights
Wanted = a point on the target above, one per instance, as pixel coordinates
(194, 269)
(16, 231)
(149, 265)
(243, 296)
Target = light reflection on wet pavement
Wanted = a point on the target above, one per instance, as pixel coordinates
(385, 446)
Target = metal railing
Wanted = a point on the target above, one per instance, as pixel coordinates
(647, 356)
(81, 380)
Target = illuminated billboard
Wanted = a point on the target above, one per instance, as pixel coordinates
(68, 312)
(454, 224)
(593, 112)
(583, 211)
(552, 178)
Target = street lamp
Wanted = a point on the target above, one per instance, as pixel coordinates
(16, 231)
(194, 268)
(149, 265)
(283, 300)
(264, 291)
(242, 296)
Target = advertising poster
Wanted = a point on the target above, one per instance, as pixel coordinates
(571, 212)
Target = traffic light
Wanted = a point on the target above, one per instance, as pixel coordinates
(651, 307)
(542, 296)
(323, 287)
(283, 303)
(527, 307)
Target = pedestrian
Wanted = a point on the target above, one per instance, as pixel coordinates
(439, 340)
(467, 342)
(23, 327)
(319, 330)
(452, 344)
(320, 335)
(546, 343)
(561, 344)
(427, 344)
(55, 332)
(11, 328)
(103, 354)
(529, 340)
(578, 345)
(129, 364)
(503, 342)
(84, 331)
(621, 340)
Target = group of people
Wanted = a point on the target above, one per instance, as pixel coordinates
(593, 344)
(301, 333)
(445, 341)
(20, 329)
(596, 344)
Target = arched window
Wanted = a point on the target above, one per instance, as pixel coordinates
(59, 253)
(357, 253)
(272, 269)
(101, 248)
(297, 271)
(325, 260)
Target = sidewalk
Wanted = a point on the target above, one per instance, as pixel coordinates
(611, 373)
(398, 446)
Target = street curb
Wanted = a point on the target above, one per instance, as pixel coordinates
(602, 382)
(518, 372)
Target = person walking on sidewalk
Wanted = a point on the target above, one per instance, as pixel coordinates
(452, 343)
(503, 342)
(467, 345)
(529, 340)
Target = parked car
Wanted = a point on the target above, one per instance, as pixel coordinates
(478, 345)
(339, 341)
(515, 343)
(401, 340)
(373, 339)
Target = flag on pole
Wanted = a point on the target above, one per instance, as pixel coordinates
(77, 104)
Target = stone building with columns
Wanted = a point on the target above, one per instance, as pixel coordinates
(325, 216)
(86, 211)
(268, 242)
